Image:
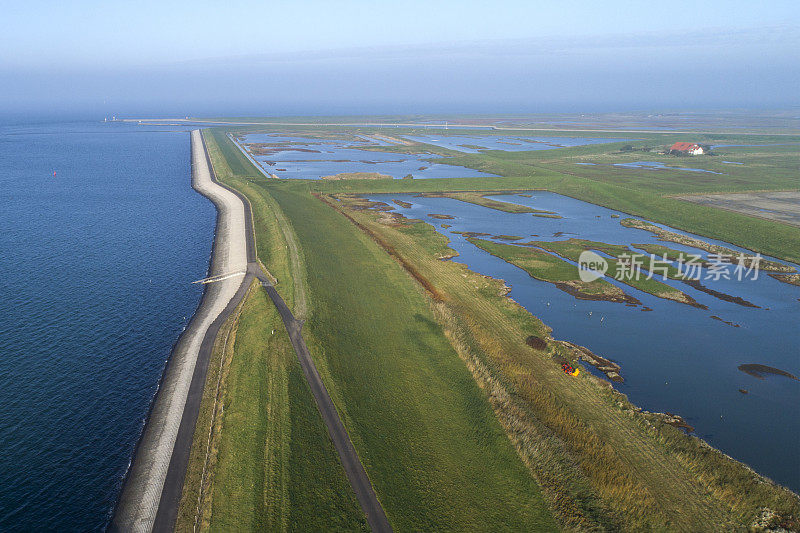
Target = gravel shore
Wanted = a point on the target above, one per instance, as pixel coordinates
(141, 494)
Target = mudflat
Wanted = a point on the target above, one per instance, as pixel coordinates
(781, 206)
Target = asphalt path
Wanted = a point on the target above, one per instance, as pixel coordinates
(376, 518)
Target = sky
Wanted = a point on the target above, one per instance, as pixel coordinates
(314, 57)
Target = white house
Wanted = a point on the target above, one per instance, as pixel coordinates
(686, 148)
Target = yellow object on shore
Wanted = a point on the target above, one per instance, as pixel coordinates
(575, 373)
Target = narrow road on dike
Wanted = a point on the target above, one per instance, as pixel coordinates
(173, 486)
(341, 440)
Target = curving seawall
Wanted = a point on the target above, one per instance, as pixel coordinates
(141, 495)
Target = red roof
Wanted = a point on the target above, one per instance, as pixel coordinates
(684, 147)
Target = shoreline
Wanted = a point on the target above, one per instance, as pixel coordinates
(250, 158)
(156, 469)
(212, 122)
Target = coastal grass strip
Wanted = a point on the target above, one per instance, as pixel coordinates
(279, 251)
(229, 161)
(482, 200)
(194, 507)
(425, 432)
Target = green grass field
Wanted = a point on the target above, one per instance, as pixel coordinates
(277, 468)
(459, 424)
(437, 456)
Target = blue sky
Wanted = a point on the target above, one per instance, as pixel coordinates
(401, 56)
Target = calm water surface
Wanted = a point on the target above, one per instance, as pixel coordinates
(307, 158)
(674, 358)
(94, 290)
(657, 165)
(477, 143)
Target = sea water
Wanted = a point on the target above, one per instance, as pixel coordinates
(101, 236)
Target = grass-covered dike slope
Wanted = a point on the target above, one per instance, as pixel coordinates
(267, 464)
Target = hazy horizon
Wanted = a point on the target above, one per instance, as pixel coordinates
(315, 59)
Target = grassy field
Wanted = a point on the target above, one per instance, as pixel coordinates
(459, 423)
(228, 160)
(437, 456)
(659, 250)
(670, 236)
(271, 465)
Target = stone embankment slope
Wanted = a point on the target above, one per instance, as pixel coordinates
(142, 492)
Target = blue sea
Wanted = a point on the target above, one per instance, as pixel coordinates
(101, 236)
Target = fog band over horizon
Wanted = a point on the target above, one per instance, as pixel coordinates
(697, 69)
